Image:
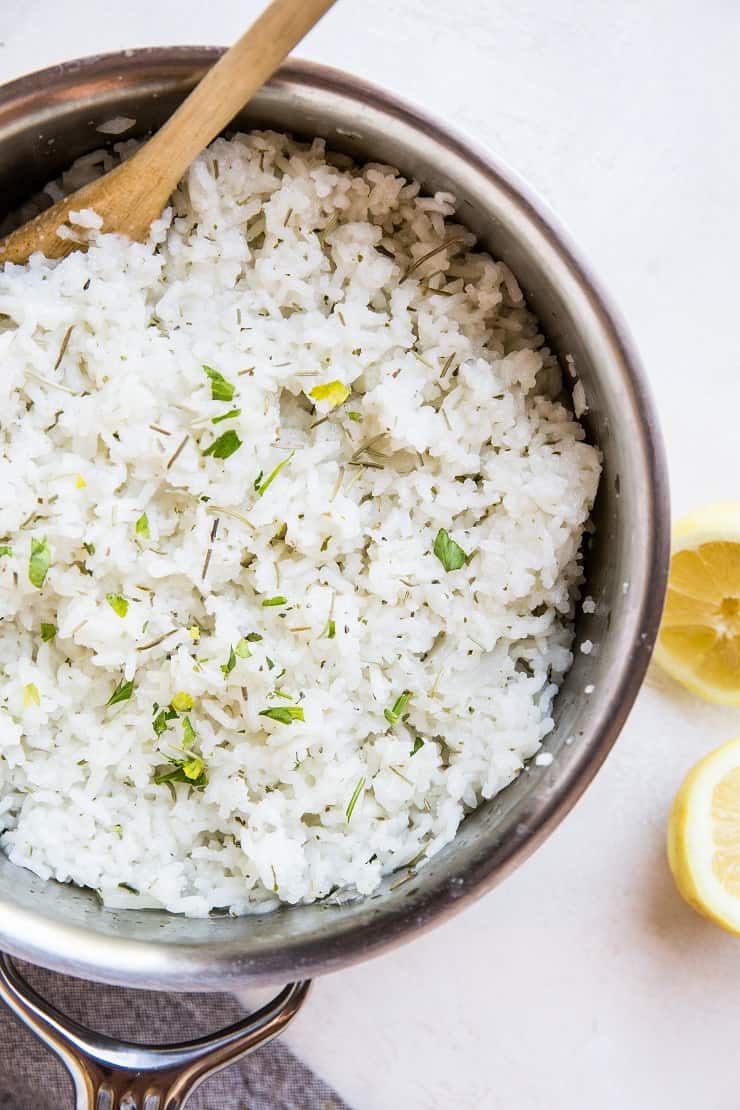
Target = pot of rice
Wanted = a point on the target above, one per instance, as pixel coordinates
(333, 543)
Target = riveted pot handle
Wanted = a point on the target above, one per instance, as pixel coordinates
(107, 1073)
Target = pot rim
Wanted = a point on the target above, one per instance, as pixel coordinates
(62, 946)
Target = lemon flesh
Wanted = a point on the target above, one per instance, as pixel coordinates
(699, 638)
(704, 837)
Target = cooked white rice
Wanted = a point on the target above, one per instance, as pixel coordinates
(282, 270)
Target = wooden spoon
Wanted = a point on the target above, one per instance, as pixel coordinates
(134, 193)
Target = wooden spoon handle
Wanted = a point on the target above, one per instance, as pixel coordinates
(134, 193)
(229, 84)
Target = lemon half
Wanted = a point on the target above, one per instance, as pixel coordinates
(699, 639)
(704, 837)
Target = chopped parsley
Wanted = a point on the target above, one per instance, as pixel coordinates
(89, 548)
(230, 663)
(39, 562)
(31, 694)
(356, 416)
(230, 415)
(5, 549)
(118, 604)
(142, 527)
(332, 630)
(221, 390)
(160, 722)
(392, 715)
(242, 648)
(334, 393)
(118, 830)
(279, 600)
(252, 637)
(188, 733)
(122, 692)
(286, 714)
(188, 768)
(353, 800)
(48, 631)
(224, 446)
(162, 717)
(261, 486)
(418, 745)
(190, 771)
(449, 553)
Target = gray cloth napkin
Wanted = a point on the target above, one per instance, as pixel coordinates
(32, 1078)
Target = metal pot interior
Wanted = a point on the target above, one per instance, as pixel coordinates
(48, 120)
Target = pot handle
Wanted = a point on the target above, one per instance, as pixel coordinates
(108, 1074)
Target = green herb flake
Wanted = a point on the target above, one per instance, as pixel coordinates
(353, 800)
(118, 604)
(279, 600)
(270, 664)
(142, 527)
(242, 648)
(272, 475)
(230, 415)
(160, 723)
(190, 771)
(188, 733)
(224, 446)
(285, 714)
(89, 548)
(332, 630)
(221, 390)
(128, 887)
(356, 416)
(39, 562)
(122, 692)
(5, 549)
(48, 632)
(230, 663)
(253, 637)
(118, 830)
(418, 745)
(392, 715)
(449, 553)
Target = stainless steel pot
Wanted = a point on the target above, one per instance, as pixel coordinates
(46, 121)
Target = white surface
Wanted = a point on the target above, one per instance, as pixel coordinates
(583, 982)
